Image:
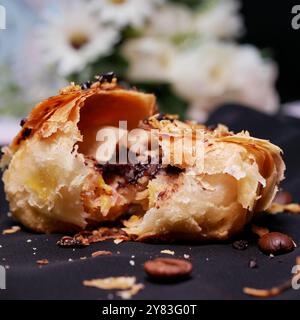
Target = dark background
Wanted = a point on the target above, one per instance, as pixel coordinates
(220, 272)
(268, 25)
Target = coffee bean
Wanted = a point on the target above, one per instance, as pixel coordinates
(276, 243)
(283, 197)
(168, 268)
(240, 244)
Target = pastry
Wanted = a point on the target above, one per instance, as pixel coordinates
(57, 179)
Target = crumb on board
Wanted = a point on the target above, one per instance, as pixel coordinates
(117, 241)
(166, 251)
(42, 262)
(128, 294)
(278, 207)
(101, 253)
(132, 263)
(11, 230)
(121, 283)
(127, 286)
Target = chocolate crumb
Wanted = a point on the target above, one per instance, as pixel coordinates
(162, 116)
(69, 242)
(130, 172)
(26, 132)
(240, 244)
(85, 238)
(106, 77)
(172, 170)
(23, 121)
(86, 85)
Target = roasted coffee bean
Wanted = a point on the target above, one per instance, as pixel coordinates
(276, 243)
(167, 268)
(240, 244)
(283, 197)
(68, 242)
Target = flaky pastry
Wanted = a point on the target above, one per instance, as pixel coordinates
(54, 183)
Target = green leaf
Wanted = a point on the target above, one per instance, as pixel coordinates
(191, 3)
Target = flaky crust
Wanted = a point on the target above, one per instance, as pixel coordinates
(49, 179)
(239, 178)
(45, 172)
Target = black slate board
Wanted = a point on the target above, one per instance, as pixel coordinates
(220, 272)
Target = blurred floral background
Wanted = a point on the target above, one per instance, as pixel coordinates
(187, 52)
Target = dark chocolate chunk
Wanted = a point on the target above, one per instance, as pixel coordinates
(240, 244)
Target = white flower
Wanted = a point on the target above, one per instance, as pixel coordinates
(220, 19)
(169, 20)
(149, 59)
(214, 73)
(73, 37)
(125, 12)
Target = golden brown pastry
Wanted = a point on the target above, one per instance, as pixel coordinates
(55, 183)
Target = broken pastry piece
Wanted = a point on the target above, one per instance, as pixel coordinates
(57, 180)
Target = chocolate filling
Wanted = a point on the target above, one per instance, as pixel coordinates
(133, 172)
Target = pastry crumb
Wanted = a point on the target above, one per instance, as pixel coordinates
(128, 285)
(117, 241)
(42, 262)
(110, 283)
(166, 251)
(132, 263)
(278, 207)
(128, 294)
(101, 253)
(11, 230)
